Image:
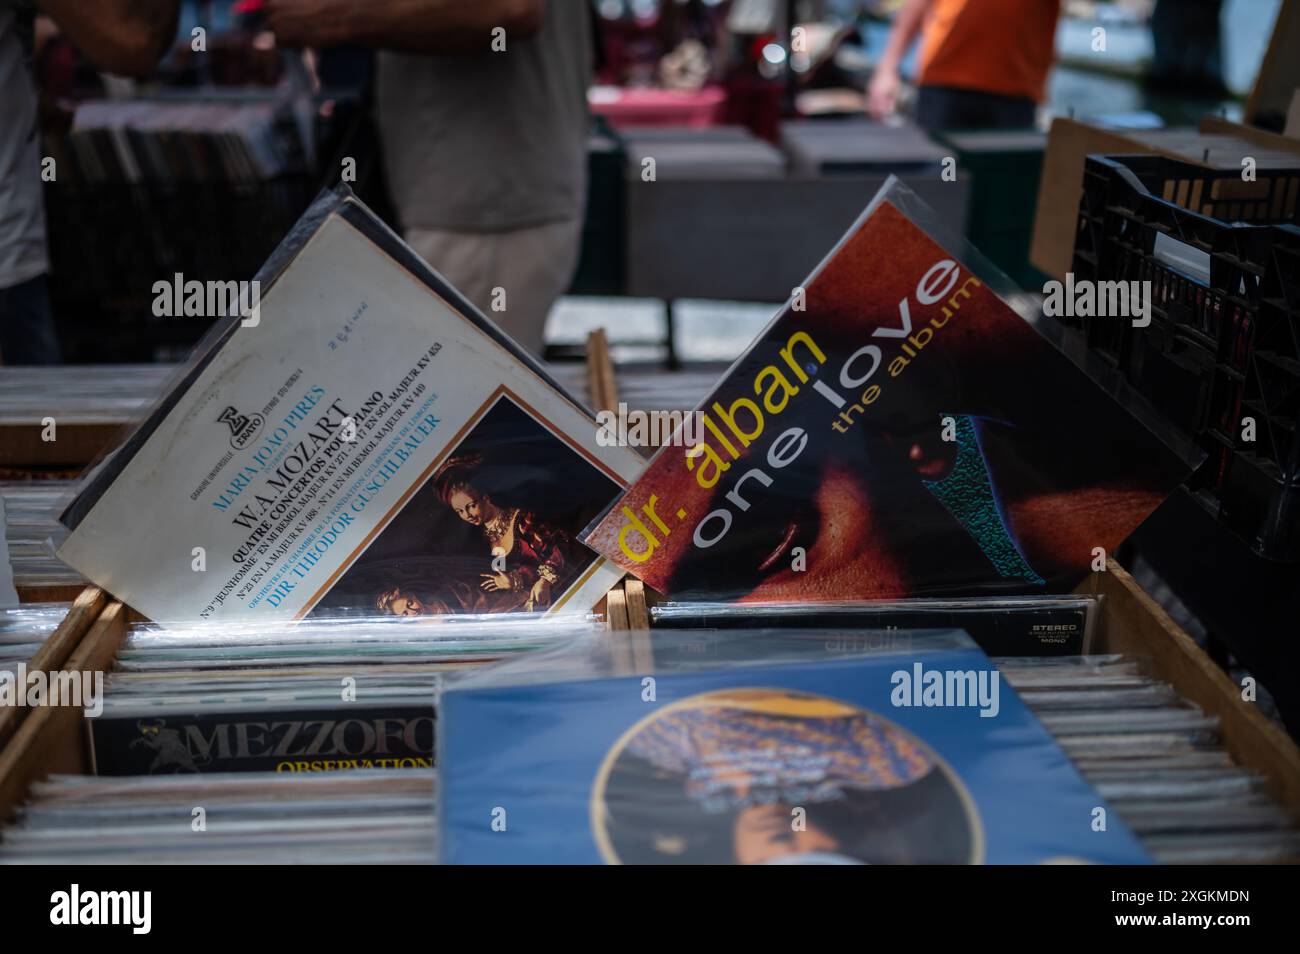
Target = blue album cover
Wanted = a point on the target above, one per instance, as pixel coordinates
(924, 756)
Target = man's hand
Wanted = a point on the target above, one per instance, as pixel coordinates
(404, 26)
(882, 93)
(314, 23)
(126, 37)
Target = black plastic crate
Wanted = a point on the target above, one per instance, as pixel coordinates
(1175, 372)
(1221, 355)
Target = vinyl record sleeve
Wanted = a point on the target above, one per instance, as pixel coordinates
(899, 429)
(1014, 626)
(8, 595)
(310, 737)
(809, 756)
(365, 440)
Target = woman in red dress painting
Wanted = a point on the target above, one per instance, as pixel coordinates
(527, 557)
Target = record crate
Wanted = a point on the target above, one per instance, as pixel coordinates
(36, 742)
(39, 741)
(57, 418)
(55, 651)
(53, 740)
(1132, 624)
(1222, 255)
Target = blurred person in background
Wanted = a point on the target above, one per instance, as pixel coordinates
(125, 37)
(484, 134)
(983, 63)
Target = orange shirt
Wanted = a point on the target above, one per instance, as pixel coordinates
(995, 46)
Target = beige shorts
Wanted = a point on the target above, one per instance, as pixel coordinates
(513, 277)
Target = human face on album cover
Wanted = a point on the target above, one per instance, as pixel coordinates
(965, 453)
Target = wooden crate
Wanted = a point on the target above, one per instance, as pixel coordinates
(1136, 625)
(59, 593)
(93, 406)
(47, 740)
(55, 650)
(1132, 623)
(79, 444)
(51, 739)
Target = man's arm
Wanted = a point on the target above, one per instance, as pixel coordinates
(127, 37)
(406, 26)
(882, 93)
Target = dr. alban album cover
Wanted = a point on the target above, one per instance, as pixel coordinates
(897, 430)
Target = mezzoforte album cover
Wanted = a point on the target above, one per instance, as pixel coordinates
(303, 737)
(806, 757)
(897, 430)
(369, 442)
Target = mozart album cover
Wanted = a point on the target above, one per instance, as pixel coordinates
(362, 441)
(897, 430)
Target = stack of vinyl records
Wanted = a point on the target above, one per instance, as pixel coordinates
(1156, 758)
(121, 394)
(318, 695)
(857, 147)
(1152, 754)
(657, 390)
(79, 394)
(32, 530)
(23, 629)
(337, 721)
(1001, 626)
(572, 376)
(302, 743)
(838, 745)
(361, 817)
(188, 140)
(720, 152)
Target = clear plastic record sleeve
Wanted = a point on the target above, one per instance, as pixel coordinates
(357, 817)
(306, 736)
(8, 593)
(361, 439)
(909, 424)
(772, 749)
(314, 695)
(1001, 626)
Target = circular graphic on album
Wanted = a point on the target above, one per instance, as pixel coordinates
(774, 776)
